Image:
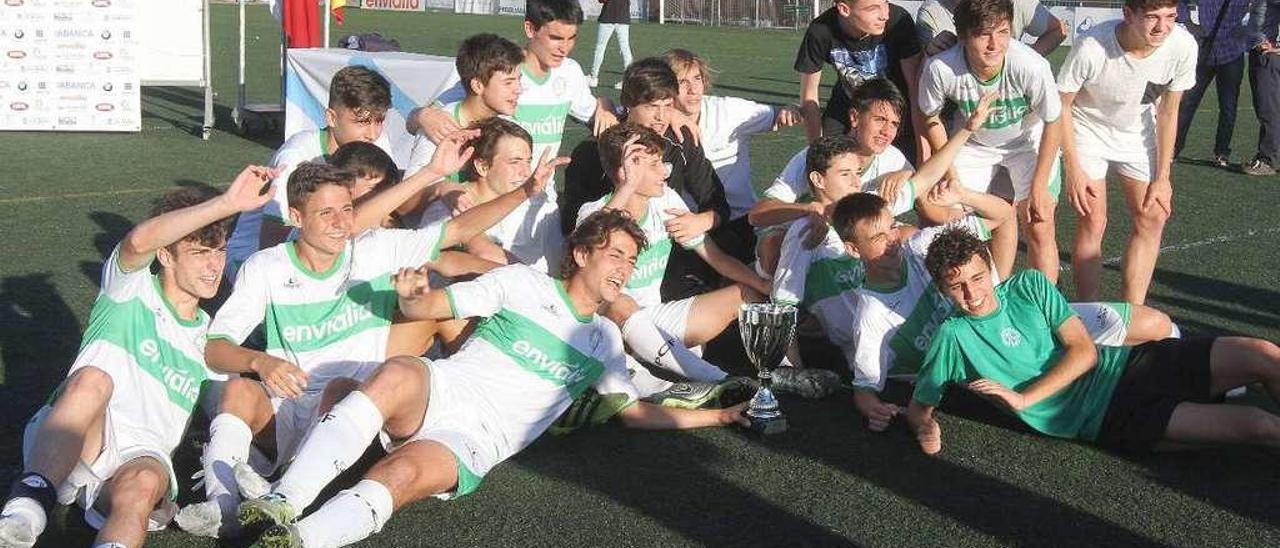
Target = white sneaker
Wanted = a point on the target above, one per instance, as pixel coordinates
(251, 484)
(592, 81)
(16, 532)
(203, 519)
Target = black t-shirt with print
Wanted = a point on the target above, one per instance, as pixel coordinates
(616, 11)
(858, 60)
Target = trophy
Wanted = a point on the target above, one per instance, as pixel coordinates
(767, 330)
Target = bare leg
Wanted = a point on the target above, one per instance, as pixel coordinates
(1144, 241)
(1147, 324)
(73, 430)
(1238, 361)
(1218, 424)
(1042, 247)
(247, 399)
(769, 251)
(1086, 259)
(416, 471)
(712, 312)
(410, 338)
(134, 491)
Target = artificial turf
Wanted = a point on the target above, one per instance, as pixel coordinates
(66, 199)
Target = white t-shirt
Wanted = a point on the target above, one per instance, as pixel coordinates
(893, 326)
(329, 324)
(304, 146)
(726, 125)
(1026, 99)
(645, 284)
(531, 355)
(531, 232)
(935, 17)
(154, 357)
(822, 280)
(1118, 91)
(792, 185)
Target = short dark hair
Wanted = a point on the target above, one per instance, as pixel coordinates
(979, 15)
(492, 130)
(613, 142)
(853, 209)
(362, 90)
(1143, 6)
(210, 235)
(824, 150)
(593, 233)
(541, 12)
(482, 55)
(365, 159)
(648, 80)
(875, 90)
(309, 176)
(953, 248)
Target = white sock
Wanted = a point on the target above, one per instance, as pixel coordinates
(229, 442)
(349, 517)
(646, 383)
(1174, 332)
(334, 443)
(651, 345)
(27, 509)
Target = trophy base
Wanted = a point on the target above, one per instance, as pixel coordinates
(768, 427)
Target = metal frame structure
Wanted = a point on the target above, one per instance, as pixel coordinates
(206, 80)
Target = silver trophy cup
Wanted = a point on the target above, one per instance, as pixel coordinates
(767, 330)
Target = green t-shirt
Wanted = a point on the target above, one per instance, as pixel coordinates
(1014, 346)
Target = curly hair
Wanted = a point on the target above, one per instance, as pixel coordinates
(210, 235)
(594, 232)
(612, 143)
(953, 248)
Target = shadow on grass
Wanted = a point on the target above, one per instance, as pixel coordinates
(184, 108)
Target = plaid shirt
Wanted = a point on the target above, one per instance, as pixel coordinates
(1231, 40)
(1264, 22)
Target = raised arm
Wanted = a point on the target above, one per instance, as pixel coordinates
(451, 154)
(247, 192)
(478, 219)
(809, 108)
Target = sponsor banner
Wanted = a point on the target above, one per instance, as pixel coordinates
(415, 79)
(69, 65)
(395, 5)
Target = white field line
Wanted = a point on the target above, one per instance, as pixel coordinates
(1174, 248)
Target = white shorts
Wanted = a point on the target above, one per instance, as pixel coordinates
(453, 421)
(88, 480)
(672, 318)
(1107, 323)
(978, 168)
(293, 419)
(1131, 154)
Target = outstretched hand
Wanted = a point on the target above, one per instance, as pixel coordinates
(251, 188)
(453, 152)
(980, 112)
(537, 183)
(735, 415)
(412, 283)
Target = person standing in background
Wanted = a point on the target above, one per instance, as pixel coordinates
(1264, 77)
(615, 17)
(1219, 28)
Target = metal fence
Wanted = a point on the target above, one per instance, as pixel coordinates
(793, 14)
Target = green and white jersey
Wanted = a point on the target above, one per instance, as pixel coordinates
(330, 324)
(1026, 95)
(304, 146)
(821, 280)
(530, 356)
(894, 325)
(651, 266)
(154, 357)
(531, 231)
(792, 185)
(1014, 346)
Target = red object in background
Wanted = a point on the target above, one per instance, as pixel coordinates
(338, 9)
(302, 24)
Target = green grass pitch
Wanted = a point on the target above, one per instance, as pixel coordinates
(66, 199)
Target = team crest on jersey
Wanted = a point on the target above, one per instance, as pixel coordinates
(1010, 337)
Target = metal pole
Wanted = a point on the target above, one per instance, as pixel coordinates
(327, 14)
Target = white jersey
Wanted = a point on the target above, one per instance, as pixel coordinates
(726, 125)
(1118, 91)
(821, 280)
(893, 326)
(530, 356)
(651, 265)
(154, 357)
(935, 17)
(329, 324)
(531, 232)
(792, 185)
(304, 146)
(1026, 96)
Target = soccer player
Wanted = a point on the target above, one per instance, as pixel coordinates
(898, 308)
(104, 440)
(1021, 136)
(936, 28)
(725, 126)
(373, 168)
(358, 103)
(1021, 346)
(862, 39)
(1120, 88)
(326, 305)
(448, 423)
(875, 115)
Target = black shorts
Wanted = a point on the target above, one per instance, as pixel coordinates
(1157, 377)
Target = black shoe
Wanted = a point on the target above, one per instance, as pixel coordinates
(1258, 166)
(1220, 160)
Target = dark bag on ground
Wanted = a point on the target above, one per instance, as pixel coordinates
(369, 41)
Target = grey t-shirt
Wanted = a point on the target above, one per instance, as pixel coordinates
(935, 17)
